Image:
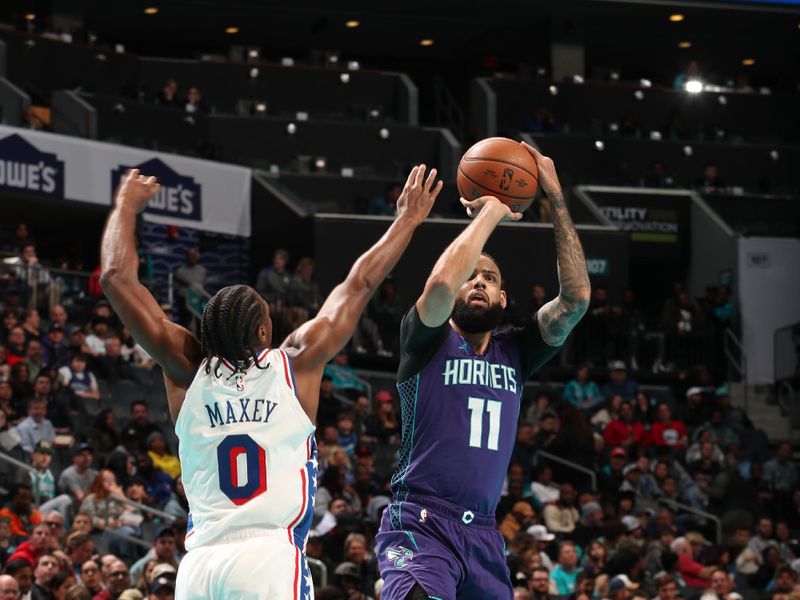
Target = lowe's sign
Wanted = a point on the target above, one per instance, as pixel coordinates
(25, 168)
(179, 196)
(201, 194)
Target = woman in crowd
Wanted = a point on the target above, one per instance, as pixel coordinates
(103, 436)
(582, 393)
(7, 403)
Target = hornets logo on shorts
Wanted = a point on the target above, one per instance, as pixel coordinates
(400, 556)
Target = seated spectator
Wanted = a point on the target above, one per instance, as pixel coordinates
(44, 570)
(111, 366)
(721, 586)
(763, 538)
(619, 383)
(590, 525)
(387, 310)
(565, 573)
(692, 572)
(37, 426)
(164, 550)
(7, 403)
(91, 578)
(332, 485)
(667, 431)
(273, 282)
(780, 472)
(33, 358)
(194, 101)
(96, 339)
(9, 588)
(691, 72)
(157, 450)
(710, 182)
(139, 428)
(35, 546)
(539, 584)
(543, 540)
(331, 404)
(157, 483)
(642, 410)
(581, 392)
(10, 439)
(20, 512)
(55, 350)
(732, 416)
(347, 438)
(625, 432)
(61, 404)
(76, 479)
(705, 456)
(785, 581)
(562, 515)
(78, 379)
(117, 580)
(693, 412)
(385, 424)
(9, 320)
(542, 486)
(58, 316)
(22, 572)
(42, 479)
(386, 203)
(168, 95)
(519, 519)
(15, 346)
(604, 416)
(79, 548)
(103, 434)
(611, 476)
(721, 435)
(770, 561)
(303, 293)
(541, 405)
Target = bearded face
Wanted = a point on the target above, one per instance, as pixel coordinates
(479, 306)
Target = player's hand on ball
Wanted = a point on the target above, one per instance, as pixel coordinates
(548, 178)
(418, 195)
(137, 190)
(473, 207)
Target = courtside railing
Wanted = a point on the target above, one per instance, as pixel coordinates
(168, 518)
(567, 463)
(25, 467)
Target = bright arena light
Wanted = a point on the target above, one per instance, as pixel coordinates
(599, 145)
(694, 86)
(291, 128)
(676, 18)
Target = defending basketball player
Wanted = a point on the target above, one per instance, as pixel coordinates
(460, 384)
(245, 413)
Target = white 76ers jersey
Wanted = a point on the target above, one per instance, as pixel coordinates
(247, 452)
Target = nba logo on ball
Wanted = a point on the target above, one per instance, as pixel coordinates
(179, 195)
(499, 167)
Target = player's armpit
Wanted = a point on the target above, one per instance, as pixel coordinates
(557, 319)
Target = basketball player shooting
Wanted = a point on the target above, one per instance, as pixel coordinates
(244, 413)
(460, 385)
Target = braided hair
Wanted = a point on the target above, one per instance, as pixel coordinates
(229, 327)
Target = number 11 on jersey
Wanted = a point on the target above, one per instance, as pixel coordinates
(476, 407)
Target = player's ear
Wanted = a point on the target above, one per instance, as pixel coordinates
(503, 299)
(262, 334)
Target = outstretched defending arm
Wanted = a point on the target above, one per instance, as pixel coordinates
(558, 317)
(314, 343)
(460, 258)
(172, 346)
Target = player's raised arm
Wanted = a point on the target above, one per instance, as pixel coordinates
(172, 346)
(458, 261)
(318, 340)
(560, 315)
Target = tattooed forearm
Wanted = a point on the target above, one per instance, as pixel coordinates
(559, 316)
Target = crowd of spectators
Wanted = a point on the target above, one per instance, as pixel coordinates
(101, 513)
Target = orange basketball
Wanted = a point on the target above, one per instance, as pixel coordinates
(499, 167)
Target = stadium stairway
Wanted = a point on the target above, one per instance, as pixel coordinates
(765, 415)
